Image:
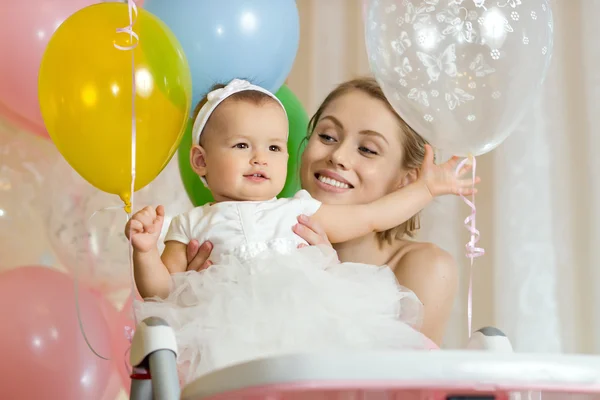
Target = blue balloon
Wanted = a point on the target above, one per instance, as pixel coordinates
(255, 40)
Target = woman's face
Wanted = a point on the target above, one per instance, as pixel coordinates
(354, 155)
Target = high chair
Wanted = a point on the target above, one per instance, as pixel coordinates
(389, 375)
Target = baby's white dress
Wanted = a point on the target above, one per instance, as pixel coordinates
(263, 296)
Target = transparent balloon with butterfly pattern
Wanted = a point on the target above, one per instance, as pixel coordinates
(462, 73)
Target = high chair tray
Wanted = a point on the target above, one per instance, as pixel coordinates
(402, 375)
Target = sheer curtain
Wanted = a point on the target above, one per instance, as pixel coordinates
(539, 203)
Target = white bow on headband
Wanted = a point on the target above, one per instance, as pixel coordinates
(236, 85)
(217, 96)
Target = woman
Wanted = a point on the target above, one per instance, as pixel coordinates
(358, 150)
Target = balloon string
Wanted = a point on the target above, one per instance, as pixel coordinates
(81, 329)
(129, 205)
(472, 251)
(76, 283)
(132, 8)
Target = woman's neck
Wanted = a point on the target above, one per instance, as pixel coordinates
(365, 249)
(368, 249)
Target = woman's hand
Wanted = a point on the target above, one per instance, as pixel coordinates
(197, 255)
(310, 231)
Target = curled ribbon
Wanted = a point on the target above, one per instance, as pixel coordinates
(133, 12)
(472, 251)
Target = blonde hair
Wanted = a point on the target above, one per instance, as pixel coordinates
(413, 144)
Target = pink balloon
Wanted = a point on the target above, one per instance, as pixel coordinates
(44, 355)
(25, 29)
(114, 386)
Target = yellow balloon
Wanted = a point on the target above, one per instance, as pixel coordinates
(85, 93)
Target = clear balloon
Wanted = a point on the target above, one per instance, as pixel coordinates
(462, 73)
(86, 226)
(44, 355)
(23, 160)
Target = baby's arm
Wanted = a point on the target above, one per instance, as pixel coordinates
(343, 222)
(346, 222)
(151, 271)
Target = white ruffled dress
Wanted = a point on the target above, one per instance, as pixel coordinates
(263, 296)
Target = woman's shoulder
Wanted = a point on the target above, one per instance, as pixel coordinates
(424, 260)
(424, 252)
(432, 274)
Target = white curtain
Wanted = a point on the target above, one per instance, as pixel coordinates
(539, 203)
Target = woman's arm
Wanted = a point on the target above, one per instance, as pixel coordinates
(431, 273)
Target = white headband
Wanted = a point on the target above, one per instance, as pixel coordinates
(216, 97)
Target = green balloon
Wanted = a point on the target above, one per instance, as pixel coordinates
(196, 191)
(156, 60)
(298, 125)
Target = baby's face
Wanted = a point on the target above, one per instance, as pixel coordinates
(246, 151)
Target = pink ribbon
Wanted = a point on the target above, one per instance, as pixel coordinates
(472, 251)
(129, 332)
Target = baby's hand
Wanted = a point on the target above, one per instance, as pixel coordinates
(443, 179)
(145, 227)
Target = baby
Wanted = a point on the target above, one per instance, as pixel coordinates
(262, 295)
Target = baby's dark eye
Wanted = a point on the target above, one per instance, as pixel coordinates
(274, 148)
(241, 146)
(326, 138)
(366, 150)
